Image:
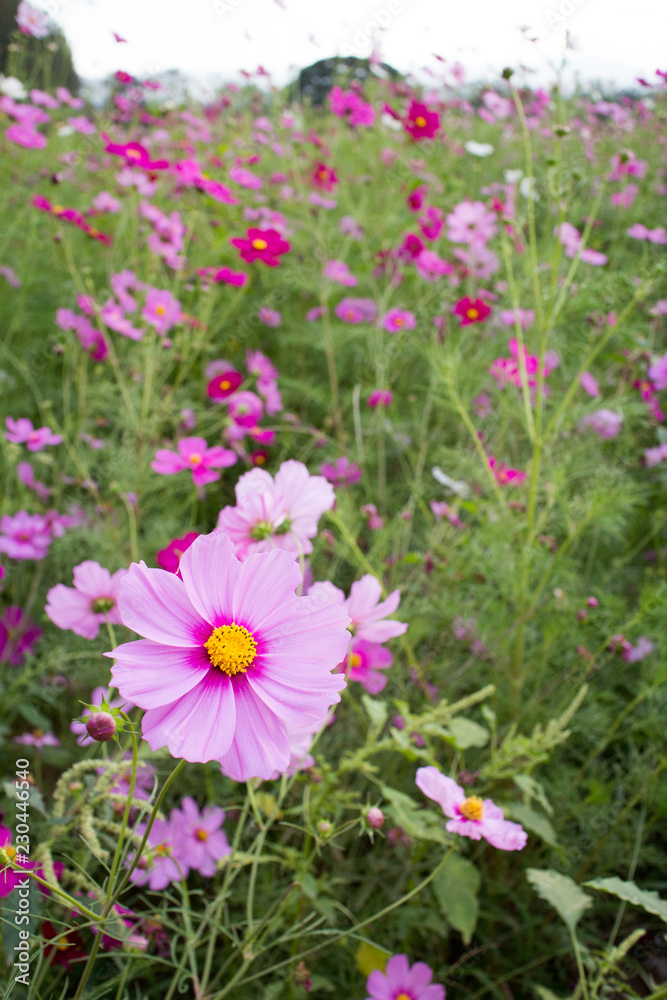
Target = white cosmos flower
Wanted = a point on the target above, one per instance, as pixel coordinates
(527, 188)
(12, 87)
(456, 486)
(479, 148)
(512, 176)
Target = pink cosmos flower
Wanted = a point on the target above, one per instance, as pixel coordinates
(356, 310)
(231, 656)
(169, 558)
(236, 278)
(161, 310)
(431, 224)
(135, 154)
(21, 431)
(347, 104)
(338, 271)
(245, 408)
(440, 509)
(364, 606)
(98, 695)
(31, 21)
(633, 654)
(199, 841)
(641, 232)
(10, 275)
(430, 266)
(658, 372)
(26, 475)
(26, 136)
(401, 981)
(343, 472)
(158, 867)
(470, 816)
(114, 318)
(380, 397)
(653, 456)
(270, 317)
(364, 662)
(92, 602)
(245, 178)
(349, 226)
(421, 123)
(17, 636)
(625, 197)
(276, 513)
(224, 384)
(606, 423)
(505, 475)
(471, 222)
(589, 384)
(194, 454)
(262, 244)
(525, 317)
(105, 202)
(10, 879)
(24, 536)
(325, 178)
(314, 314)
(398, 319)
(37, 739)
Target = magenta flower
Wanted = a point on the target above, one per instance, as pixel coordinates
(135, 154)
(262, 244)
(24, 536)
(194, 454)
(224, 384)
(26, 475)
(158, 867)
(633, 654)
(199, 841)
(31, 21)
(606, 423)
(281, 513)
(401, 981)
(347, 104)
(21, 431)
(505, 475)
(17, 636)
(162, 310)
(658, 372)
(115, 319)
(380, 397)
(245, 178)
(231, 656)
(471, 311)
(229, 277)
(398, 319)
(343, 472)
(470, 816)
(589, 384)
(90, 603)
(245, 408)
(420, 122)
(169, 558)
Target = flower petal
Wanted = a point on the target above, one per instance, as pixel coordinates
(199, 726)
(210, 571)
(260, 745)
(151, 674)
(156, 605)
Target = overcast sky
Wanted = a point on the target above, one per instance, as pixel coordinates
(614, 40)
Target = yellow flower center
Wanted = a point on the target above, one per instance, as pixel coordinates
(472, 808)
(259, 244)
(160, 310)
(62, 943)
(201, 835)
(57, 209)
(232, 648)
(322, 173)
(162, 850)
(398, 321)
(404, 996)
(472, 313)
(10, 852)
(354, 660)
(134, 154)
(194, 458)
(225, 384)
(420, 122)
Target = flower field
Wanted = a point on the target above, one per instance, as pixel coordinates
(333, 549)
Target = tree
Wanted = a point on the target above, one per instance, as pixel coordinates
(43, 63)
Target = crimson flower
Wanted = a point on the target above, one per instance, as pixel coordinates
(471, 311)
(420, 122)
(262, 244)
(324, 178)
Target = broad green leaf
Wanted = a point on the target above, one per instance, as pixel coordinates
(631, 893)
(532, 820)
(376, 710)
(456, 887)
(466, 733)
(562, 893)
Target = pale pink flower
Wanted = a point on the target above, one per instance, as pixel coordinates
(25, 536)
(161, 310)
(231, 656)
(658, 372)
(92, 602)
(338, 271)
(633, 654)
(401, 981)
(245, 178)
(276, 513)
(270, 317)
(606, 423)
(356, 310)
(398, 319)
(364, 662)
(21, 431)
(367, 611)
(157, 866)
(342, 472)
(31, 21)
(471, 222)
(470, 816)
(198, 840)
(589, 384)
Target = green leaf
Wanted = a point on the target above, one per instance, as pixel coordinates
(456, 887)
(631, 893)
(532, 820)
(465, 734)
(421, 824)
(562, 893)
(376, 710)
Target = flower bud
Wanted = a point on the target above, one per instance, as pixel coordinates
(324, 827)
(375, 817)
(101, 726)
